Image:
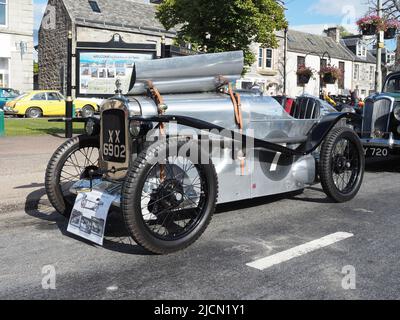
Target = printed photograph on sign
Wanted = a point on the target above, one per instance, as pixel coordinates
(89, 216)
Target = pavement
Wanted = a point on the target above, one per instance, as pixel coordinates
(218, 266)
(23, 162)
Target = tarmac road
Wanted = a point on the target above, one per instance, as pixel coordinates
(216, 266)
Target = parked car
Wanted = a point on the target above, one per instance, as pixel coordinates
(305, 106)
(171, 150)
(43, 103)
(7, 94)
(380, 127)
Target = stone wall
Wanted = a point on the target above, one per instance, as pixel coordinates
(397, 64)
(53, 40)
(365, 84)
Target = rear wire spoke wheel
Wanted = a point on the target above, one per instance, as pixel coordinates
(68, 165)
(168, 203)
(342, 164)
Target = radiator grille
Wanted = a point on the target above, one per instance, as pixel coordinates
(376, 116)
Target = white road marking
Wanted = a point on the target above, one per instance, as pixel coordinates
(363, 210)
(299, 251)
(112, 288)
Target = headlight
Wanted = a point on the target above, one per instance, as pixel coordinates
(396, 112)
(92, 128)
(135, 128)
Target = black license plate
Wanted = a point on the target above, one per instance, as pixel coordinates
(376, 152)
(114, 140)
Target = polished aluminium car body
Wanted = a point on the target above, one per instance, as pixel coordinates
(380, 127)
(45, 103)
(182, 140)
(295, 140)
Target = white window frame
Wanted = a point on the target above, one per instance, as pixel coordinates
(371, 73)
(6, 73)
(5, 2)
(262, 58)
(356, 74)
(361, 50)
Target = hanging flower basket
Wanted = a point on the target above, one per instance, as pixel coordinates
(370, 25)
(390, 33)
(391, 27)
(330, 74)
(304, 79)
(304, 74)
(329, 78)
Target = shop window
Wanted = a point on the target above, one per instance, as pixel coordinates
(247, 85)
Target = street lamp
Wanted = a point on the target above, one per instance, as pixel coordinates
(379, 47)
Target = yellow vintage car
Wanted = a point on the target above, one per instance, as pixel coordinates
(44, 103)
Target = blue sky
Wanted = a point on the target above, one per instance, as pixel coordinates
(305, 15)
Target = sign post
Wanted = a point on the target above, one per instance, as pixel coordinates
(380, 45)
(69, 101)
(2, 131)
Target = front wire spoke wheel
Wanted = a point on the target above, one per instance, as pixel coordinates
(177, 193)
(168, 203)
(342, 164)
(66, 167)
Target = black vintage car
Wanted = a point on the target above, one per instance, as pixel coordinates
(380, 127)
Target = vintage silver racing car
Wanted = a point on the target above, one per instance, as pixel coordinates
(182, 141)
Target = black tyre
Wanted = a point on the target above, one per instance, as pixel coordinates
(342, 164)
(34, 113)
(66, 167)
(167, 204)
(87, 111)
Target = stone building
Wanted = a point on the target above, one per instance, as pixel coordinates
(268, 70)
(119, 25)
(364, 65)
(16, 39)
(317, 51)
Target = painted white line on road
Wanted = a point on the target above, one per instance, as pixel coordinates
(299, 251)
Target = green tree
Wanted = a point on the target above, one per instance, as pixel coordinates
(35, 68)
(344, 32)
(224, 25)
